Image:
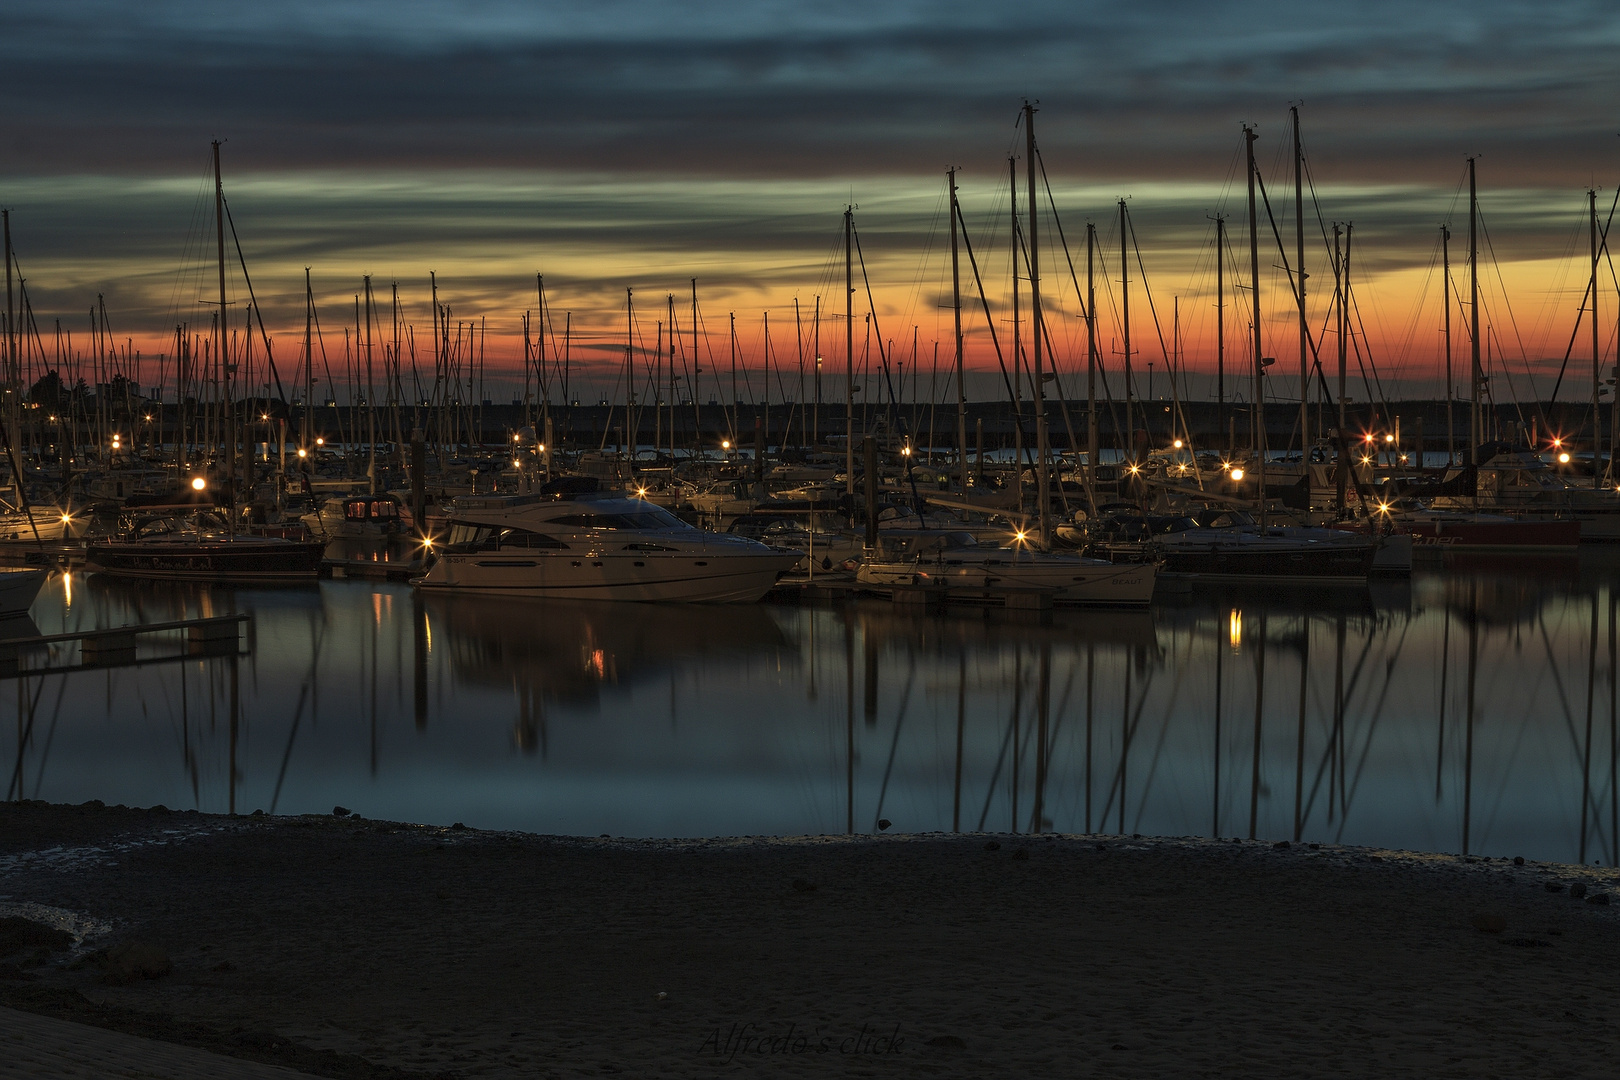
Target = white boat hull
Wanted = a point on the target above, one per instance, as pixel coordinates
(712, 577)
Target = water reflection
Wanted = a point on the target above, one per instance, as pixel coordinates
(1467, 710)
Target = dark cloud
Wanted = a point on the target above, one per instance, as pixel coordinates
(775, 89)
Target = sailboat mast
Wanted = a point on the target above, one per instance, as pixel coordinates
(1220, 325)
(220, 365)
(849, 358)
(1092, 441)
(1597, 356)
(1343, 477)
(1304, 328)
(1017, 349)
(1249, 137)
(1125, 331)
(1445, 302)
(11, 308)
(1044, 499)
(736, 401)
(1473, 317)
(309, 365)
(371, 399)
(956, 315)
(673, 395)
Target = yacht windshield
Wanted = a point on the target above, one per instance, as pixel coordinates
(641, 519)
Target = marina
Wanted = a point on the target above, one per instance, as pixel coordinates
(808, 540)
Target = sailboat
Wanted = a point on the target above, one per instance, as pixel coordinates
(198, 542)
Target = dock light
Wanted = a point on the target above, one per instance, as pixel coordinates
(302, 452)
(1234, 628)
(1019, 536)
(67, 519)
(1369, 437)
(148, 418)
(1134, 469)
(905, 451)
(1389, 438)
(1237, 474)
(641, 493)
(541, 447)
(1366, 460)
(198, 483)
(1176, 444)
(1563, 459)
(725, 444)
(1557, 442)
(1383, 508)
(320, 442)
(264, 416)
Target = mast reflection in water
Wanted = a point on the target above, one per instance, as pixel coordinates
(1473, 710)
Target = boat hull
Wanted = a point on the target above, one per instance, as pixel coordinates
(656, 577)
(1111, 584)
(1464, 535)
(1239, 561)
(241, 559)
(18, 588)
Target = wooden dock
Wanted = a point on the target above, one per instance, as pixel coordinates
(115, 646)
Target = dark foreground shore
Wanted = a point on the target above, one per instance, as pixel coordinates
(353, 948)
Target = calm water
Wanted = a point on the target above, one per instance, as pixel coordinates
(1468, 709)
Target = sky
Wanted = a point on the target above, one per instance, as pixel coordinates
(624, 150)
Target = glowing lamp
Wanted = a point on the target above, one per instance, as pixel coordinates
(1177, 444)
(302, 452)
(1563, 459)
(320, 442)
(725, 444)
(1237, 474)
(1389, 438)
(198, 483)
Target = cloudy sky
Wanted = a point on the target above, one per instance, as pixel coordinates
(613, 146)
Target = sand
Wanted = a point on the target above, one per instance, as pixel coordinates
(352, 948)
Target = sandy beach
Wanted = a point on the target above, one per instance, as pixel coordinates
(354, 948)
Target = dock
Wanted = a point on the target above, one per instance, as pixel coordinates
(220, 635)
(372, 569)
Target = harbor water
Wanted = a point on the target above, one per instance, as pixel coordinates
(1472, 708)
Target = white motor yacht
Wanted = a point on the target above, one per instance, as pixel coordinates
(573, 540)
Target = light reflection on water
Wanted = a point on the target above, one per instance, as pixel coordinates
(670, 720)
